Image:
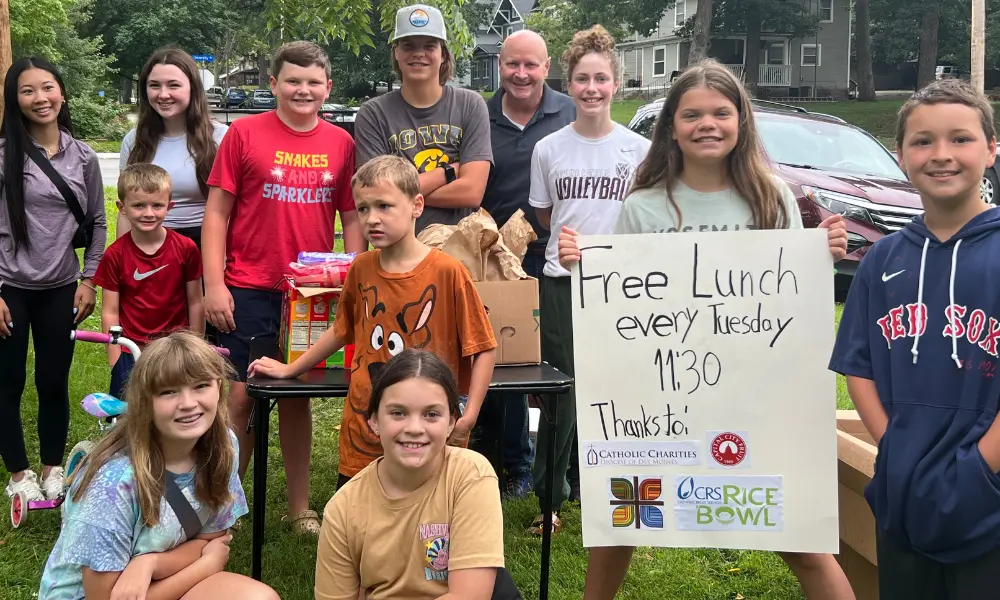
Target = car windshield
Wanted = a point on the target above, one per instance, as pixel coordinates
(828, 146)
(263, 94)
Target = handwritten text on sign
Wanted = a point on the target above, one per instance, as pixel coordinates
(694, 353)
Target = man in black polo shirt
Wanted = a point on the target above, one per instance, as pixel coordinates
(522, 112)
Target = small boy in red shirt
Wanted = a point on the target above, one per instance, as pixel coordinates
(151, 275)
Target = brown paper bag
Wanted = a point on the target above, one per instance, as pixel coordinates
(476, 243)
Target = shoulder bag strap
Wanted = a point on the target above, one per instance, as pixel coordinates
(67, 194)
(182, 508)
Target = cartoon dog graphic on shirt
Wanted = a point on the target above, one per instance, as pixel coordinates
(390, 334)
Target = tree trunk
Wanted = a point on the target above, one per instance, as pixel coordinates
(866, 78)
(928, 44)
(5, 52)
(127, 88)
(751, 65)
(700, 39)
(262, 76)
(978, 43)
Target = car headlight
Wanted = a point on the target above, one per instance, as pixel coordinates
(842, 204)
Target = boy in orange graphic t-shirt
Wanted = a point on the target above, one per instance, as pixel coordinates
(401, 295)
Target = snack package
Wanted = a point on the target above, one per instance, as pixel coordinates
(312, 258)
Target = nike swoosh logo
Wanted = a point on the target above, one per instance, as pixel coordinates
(888, 277)
(140, 276)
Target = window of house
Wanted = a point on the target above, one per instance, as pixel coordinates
(680, 13)
(505, 14)
(659, 62)
(776, 53)
(507, 31)
(826, 11)
(812, 55)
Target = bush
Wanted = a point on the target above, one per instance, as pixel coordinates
(99, 119)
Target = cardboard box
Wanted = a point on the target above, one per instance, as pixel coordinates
(855, 468)
(513, 310)
(306, 313)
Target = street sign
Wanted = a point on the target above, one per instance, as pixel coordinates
(204, 58)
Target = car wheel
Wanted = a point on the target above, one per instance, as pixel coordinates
(989, 187)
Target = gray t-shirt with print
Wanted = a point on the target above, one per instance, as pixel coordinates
(649, 210)
(455, 130)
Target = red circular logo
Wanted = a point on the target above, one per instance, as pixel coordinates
(728, 449)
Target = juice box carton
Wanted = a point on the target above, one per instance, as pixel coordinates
(306, 313)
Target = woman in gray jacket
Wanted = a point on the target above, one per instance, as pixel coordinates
(42, 288)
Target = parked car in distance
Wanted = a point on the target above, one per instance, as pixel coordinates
(235, 98)
(832, 167)
(338, 113)
(262, 99)
(214, 94)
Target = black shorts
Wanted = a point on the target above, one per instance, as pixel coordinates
(257, 313)
(905, 574)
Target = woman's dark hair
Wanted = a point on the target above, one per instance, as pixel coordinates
(17, 140)
(198, 120)
(410, 364)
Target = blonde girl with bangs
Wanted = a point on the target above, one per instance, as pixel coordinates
(705, 172)
(120, 537)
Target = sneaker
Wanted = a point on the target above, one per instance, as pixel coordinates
(53, 484)
(28, 485)
(519, 486)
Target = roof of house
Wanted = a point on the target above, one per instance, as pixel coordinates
(487, 48)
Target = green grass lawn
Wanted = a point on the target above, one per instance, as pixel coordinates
(288, 560)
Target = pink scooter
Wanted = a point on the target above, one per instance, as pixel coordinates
(105, 407)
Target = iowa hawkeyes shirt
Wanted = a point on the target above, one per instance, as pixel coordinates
(584, 182)
(455, 130)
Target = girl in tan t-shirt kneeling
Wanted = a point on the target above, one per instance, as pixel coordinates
(423, 521)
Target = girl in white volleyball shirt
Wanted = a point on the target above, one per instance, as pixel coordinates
(579, 177)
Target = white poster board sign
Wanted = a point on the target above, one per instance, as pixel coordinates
(706, 414)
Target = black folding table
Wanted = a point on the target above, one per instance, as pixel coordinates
(333, 383)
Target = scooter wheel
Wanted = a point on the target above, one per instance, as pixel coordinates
(76, 455)
(18, 509)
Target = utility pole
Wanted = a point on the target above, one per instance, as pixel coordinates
(978, 43)
(5, 51)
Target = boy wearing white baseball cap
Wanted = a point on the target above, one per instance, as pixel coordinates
(444, 130)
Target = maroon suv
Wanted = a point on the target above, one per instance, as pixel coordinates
(831, 167)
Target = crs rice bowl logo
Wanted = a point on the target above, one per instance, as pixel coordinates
(419, 18)
(728, 449)
(728, 503)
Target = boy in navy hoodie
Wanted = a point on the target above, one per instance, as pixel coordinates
(918, 343)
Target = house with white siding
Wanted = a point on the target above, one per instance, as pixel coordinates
(815, 66)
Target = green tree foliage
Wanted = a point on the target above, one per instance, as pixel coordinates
(558, 20)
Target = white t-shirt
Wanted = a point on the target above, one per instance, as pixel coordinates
(173, 156)
(649, 211)
(584, 182)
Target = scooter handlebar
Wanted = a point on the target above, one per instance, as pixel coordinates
(90, 336)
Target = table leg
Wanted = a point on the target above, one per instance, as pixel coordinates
(552, 418)
(502, 445)
(261, 421)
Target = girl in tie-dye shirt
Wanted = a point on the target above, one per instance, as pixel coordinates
(119, 533)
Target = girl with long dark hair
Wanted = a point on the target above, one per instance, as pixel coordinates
(42, 288)
(175, 131)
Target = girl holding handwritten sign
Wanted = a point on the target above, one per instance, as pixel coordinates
(704, 172)
(579, 177)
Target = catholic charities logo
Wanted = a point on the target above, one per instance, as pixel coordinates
(644, 454)
(636, 502)
(728, 502)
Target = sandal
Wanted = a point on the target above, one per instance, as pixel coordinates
(306, 522)
(539, 522)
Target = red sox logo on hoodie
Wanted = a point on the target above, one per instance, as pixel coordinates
(910, 320)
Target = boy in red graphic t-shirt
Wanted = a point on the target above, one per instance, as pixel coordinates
(151, 275)
(278, 181)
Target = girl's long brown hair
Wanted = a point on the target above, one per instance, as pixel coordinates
(180, 359)
(747, 170)
(200, 130)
